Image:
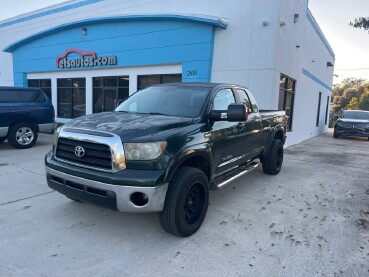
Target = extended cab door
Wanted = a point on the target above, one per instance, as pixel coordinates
(253, 129)
(226, 138)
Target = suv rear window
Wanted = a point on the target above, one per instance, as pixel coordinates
(21, 96)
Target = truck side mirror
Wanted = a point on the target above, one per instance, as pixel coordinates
(237, 112)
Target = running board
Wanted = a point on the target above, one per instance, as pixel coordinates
(240, 172)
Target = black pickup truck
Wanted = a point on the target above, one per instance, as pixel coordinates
(164, 148)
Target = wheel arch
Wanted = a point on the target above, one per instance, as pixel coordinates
(198, 158)
(24, 120)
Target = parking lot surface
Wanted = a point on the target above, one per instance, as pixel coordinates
(310, 220)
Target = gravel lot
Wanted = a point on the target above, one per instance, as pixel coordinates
(310, 220)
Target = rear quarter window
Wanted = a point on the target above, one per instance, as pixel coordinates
(21, 96)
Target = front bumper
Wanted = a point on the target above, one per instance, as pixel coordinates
(351, 132)
(96, 188)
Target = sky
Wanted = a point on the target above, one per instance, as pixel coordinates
(350, 45)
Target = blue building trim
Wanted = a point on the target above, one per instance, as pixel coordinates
(315, 79)
(132, 41)
(49, 12)
(319, 32)
(161, 17)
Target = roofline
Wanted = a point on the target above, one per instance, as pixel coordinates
(53, 9)
(220, 23)
(319, 32)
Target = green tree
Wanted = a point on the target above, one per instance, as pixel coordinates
(361, 23)
(345, 91)
(353, 104)
(364, 101)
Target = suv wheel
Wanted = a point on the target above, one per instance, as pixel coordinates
(186, 202)
(272, 163)
(2, 139)
(335, 135)
(22, 135)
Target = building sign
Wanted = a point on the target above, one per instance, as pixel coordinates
(87, 59)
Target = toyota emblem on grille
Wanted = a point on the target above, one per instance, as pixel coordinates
(79, 151)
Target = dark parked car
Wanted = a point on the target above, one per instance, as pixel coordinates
(352, 123)
(163, 148)
(24, 112)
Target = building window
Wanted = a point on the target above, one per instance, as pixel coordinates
(286, 97)
(144, 81)
(318, 112)
(71, 97)
(108, 92)
(326, 111)
(44, 84)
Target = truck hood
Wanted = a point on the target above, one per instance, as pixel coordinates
(132, 126)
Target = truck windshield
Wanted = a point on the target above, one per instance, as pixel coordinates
(356, 115)
(167, 100)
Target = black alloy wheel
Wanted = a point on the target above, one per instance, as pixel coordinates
(186, 202)
(272, 162)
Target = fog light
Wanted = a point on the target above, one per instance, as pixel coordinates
(139, 199)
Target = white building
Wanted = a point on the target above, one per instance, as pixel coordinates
(89, 54)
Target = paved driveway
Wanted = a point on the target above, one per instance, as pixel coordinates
(310, 220)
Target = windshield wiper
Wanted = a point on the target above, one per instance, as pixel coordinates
(156, 113)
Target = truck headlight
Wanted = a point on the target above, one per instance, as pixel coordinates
(56, 135)
(144, 151)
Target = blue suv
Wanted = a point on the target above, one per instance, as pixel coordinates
(24, 112)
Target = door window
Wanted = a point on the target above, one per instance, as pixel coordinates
(223, 99)
(244, 99)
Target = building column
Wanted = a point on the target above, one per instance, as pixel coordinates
(89, 95)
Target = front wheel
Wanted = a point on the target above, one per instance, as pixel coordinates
(335, 135)
(272, 163)
(22, 135)
(186, 202)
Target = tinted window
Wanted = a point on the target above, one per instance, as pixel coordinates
(253, 102)
(71, 97)
(244, 98)
(144, 81)
(223, 99)
(21, 96)
(168, 100)
(356, 115)
(44, 84)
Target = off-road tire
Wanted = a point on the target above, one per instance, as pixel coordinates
(272, 163)
(14, 133)
(188, 193)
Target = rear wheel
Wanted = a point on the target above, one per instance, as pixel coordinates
(22, 135)
(186, 202)
(2, 139)
(272, 163)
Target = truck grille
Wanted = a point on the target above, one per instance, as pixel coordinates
(96, 155)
